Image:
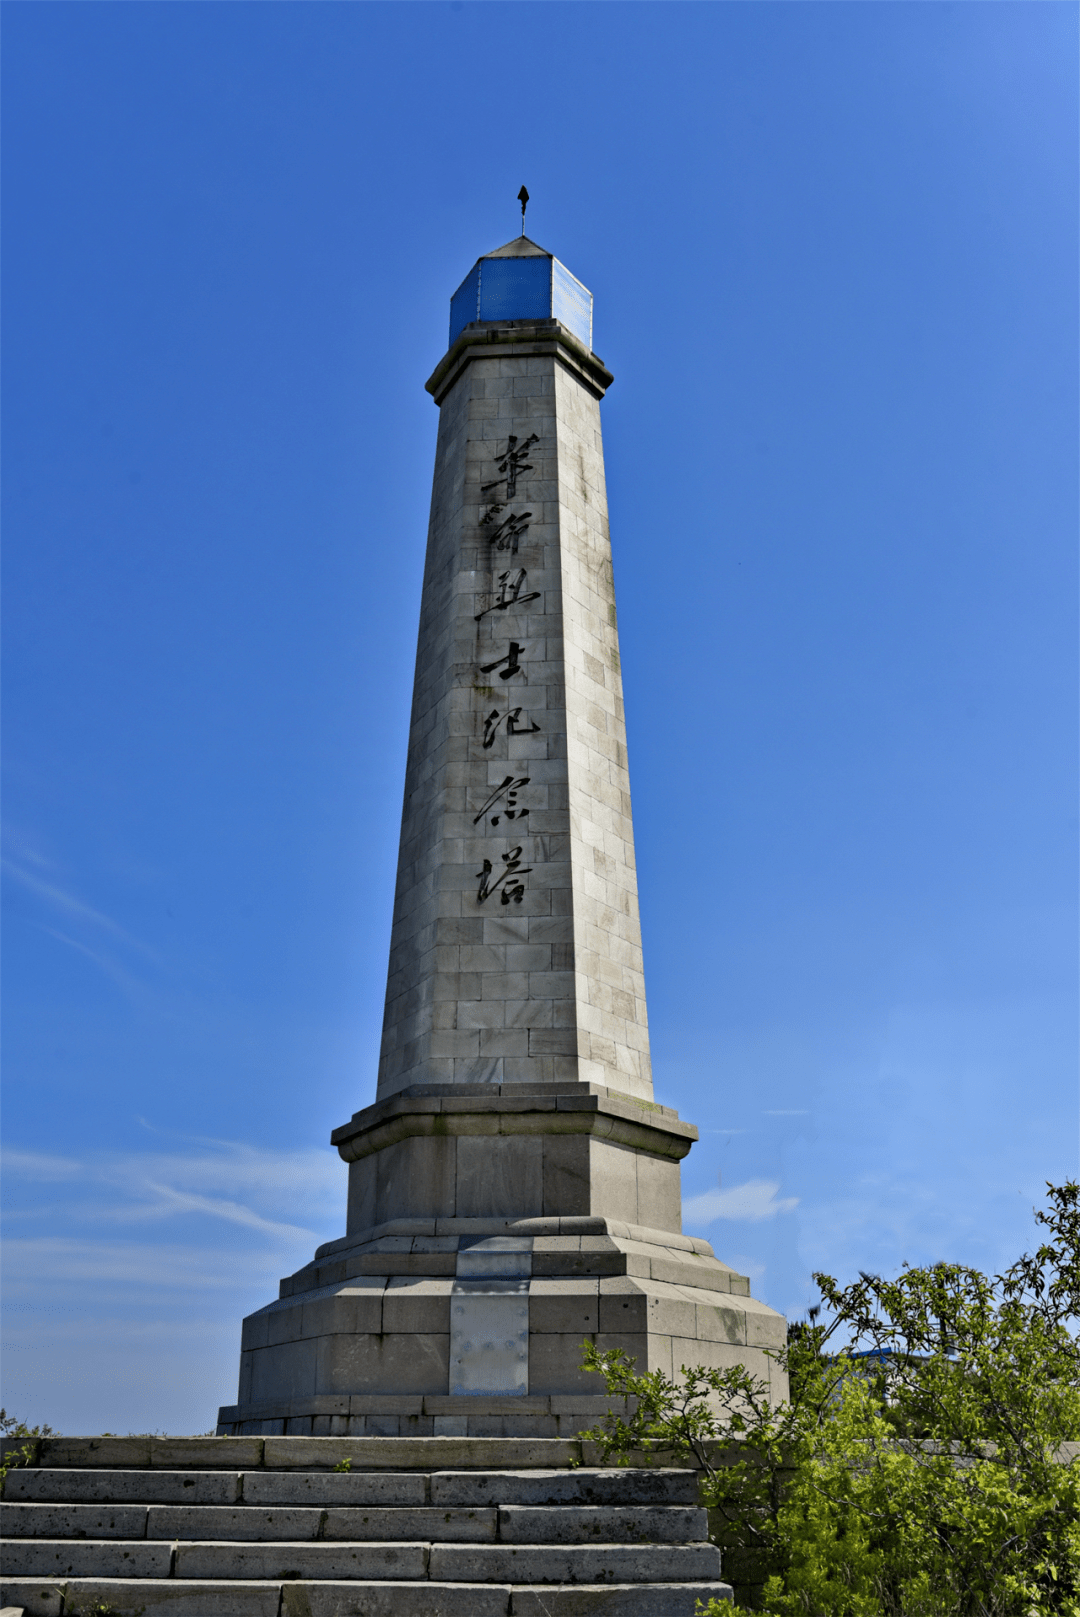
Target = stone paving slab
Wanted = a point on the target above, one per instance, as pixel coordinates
(233, 1523)
(83, 1558)
(116, 1452)
(395, 1600)
(72, 1521)
(209, 1453)
(616, 1600)
(415, 1453)
(478, 1526)
(372, 1524)
(134, 1597)
(36, 1599)
(123, 1487)
(574, 1563)
(602, 1524)
(300, 1562)
(594, 1486)
(326, 1488)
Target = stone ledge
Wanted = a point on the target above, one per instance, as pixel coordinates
(505, 339)
(586, 1404)
(653, 1256)
(564, 1230)
(619, 1120)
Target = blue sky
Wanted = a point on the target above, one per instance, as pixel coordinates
(833, 253)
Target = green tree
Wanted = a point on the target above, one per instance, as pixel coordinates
(926, 1461)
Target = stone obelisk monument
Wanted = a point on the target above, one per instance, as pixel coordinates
(514, 1190)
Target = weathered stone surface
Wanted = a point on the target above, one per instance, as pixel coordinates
(431, 1453)
(204, 1453)
(298, 1562)
(602, 1524)
(376, 1559)
(78, 1558)
(124, 1487)
(35, 1599)
(580, 1486)
(234, 1522)
(324, 1489)
(359, 1599)
(72, 1521)
(136, 1596)
(115, 1452)
(618, 1600)
(575, 1563)
(476, 1526)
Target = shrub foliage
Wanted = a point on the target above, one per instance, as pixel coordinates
(925, 1462)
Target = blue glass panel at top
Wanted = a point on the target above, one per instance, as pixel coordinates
(515, 288)
(464, 304)
(571, 303)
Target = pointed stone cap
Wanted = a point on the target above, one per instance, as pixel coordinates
(521, 281)
(520, 247)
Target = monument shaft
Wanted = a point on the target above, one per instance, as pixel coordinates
(514, 1188)
(516, 948)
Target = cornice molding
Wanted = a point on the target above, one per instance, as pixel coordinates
(506, 339)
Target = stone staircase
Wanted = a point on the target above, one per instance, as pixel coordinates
(426, 1527)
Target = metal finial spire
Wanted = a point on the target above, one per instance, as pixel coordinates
(523, 197)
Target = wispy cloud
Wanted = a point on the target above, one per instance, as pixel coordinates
(752, 1201)
(226, 1182)
(104, 962)
(47, 1259)
(69, 904)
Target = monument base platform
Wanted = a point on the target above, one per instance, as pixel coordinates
(475, 1328)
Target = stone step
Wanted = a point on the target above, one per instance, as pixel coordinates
(305, 1453)
(133, 1597)
(72, 1521)
(573, 1563)
(517, 1524)
(325, 1489)
(39, 1484)
(581, 1486)
(404, 1561)
(602, 1524)
(611, 1600)
(86, 1558)
(246, 1523)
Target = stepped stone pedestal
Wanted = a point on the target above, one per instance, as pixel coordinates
(514, 1190)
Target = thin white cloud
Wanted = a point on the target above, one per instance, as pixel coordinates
(61, 899)
(122, 978)
(35, 1165)
(29, 1265)
(171, 1201)
(229, 1183)
(752, 1201)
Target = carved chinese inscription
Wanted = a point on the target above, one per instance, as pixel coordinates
(509, 593)
(508, 885)
(506, 529)
(513, 727)
(505, 535)
(506, 794)
(513, 666)
(512, 464)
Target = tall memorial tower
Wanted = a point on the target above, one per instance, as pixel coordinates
(514, 1189)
